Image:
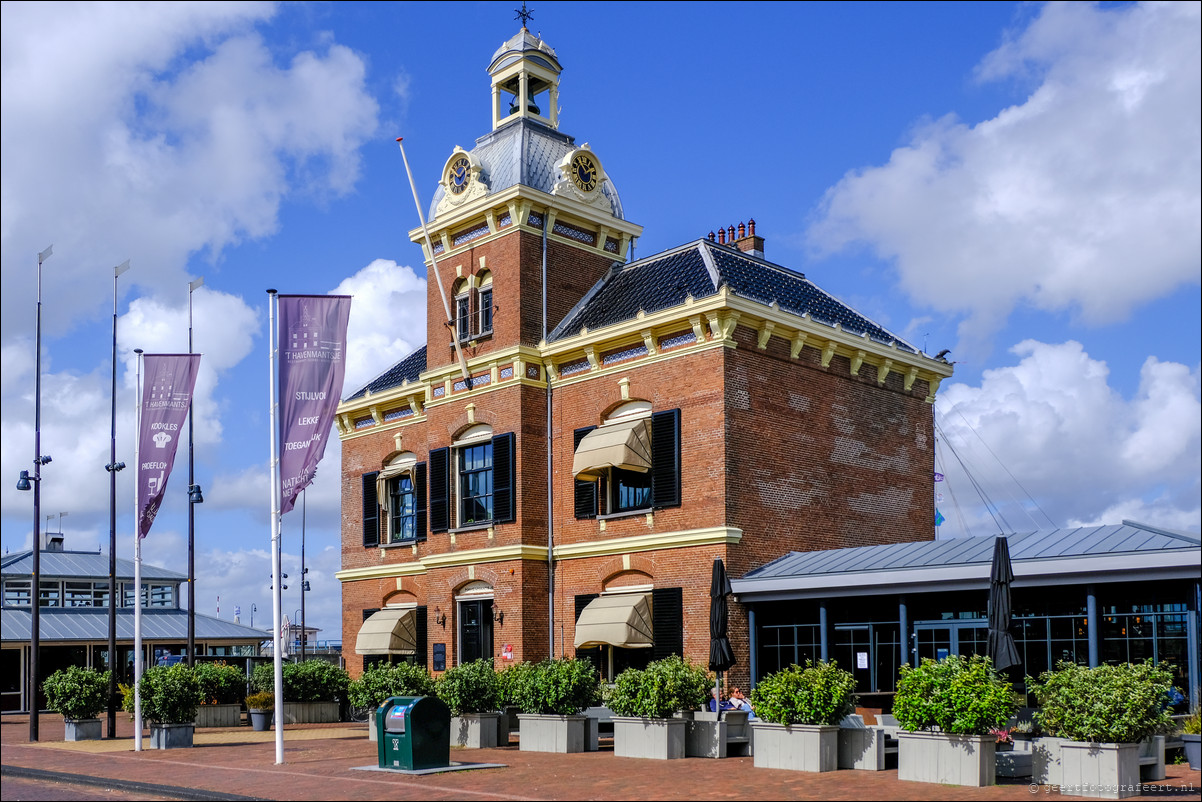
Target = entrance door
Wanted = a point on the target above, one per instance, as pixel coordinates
(475, 630)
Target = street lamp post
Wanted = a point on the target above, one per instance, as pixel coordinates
(113, 467)
(194, 498)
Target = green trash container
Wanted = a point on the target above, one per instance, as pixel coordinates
(414, 733)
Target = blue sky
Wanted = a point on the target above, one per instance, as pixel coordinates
(1019, 183)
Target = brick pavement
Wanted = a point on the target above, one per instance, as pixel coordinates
(321, 760)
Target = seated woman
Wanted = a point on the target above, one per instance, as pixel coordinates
(739, 702)
(717, 704)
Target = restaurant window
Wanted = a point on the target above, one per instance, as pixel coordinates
(629, 464)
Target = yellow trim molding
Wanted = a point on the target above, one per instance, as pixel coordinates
(717, 535)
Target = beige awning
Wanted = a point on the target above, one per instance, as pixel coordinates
(386, 475)
(392, 630)
(615, 445)
(623, 619)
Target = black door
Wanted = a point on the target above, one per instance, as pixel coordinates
(475, 630)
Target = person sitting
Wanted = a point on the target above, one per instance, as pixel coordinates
(739, 702)
(717, 704)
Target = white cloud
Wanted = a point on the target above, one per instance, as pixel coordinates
(1085, 454)
(116, 145)
(1060, 201)
(388, 319)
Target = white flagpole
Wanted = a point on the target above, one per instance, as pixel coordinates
(467, 379)
(276, 575)
(137, 555)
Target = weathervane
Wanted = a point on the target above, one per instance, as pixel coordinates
(524, 15)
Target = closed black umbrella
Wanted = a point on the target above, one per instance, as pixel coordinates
(1001, 643)
(721, 656)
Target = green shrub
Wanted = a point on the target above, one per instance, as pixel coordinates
(470, 688)
(958, 695)
(820, 693)
(660, 690)
(559, 687)
(262, 700)
(170, 695)
(381, 681)
(1107, 704)
(220, 684)
(1193, 725)
(77, 693)
(310, 681)
(510, 681)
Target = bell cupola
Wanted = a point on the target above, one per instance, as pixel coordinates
(525, 81)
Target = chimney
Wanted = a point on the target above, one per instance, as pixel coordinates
(54, 541)
(748, 242)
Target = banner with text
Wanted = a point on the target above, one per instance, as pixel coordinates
(166, 399)
(312, 345)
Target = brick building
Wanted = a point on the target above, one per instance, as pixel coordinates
(612, 427)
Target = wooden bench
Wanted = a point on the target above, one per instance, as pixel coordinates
(1151, 758)
(718, 735)
(863, 747)
(598, 718)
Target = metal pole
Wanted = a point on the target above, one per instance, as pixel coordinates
(304, 582)
(550, 467)
(192, 285)
(35, 600)
(467, 379)
(112, 469)
(137, 556)
(277, 585)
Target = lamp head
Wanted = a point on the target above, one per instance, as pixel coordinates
(115, 466)
(194, 495)
(23, 481)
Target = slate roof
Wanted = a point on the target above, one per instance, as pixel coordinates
(699, 269)
(524, 151)
(408, 369)
(840, 565)
(92, 624)
(80, 564)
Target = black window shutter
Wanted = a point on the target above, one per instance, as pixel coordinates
(665, 458)
(592, 654)
(503, 506)
(420, 658)
(419, 495)
(371, 511)
(440, 490)
(586, 491)
(667, 622)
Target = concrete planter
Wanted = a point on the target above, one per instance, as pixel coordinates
(475, 730)
(1193, 750)
(172, 736)
(310, 712)
(798, 747)
(219, 716)
(373, 735)
(862, 748)
(84, 729)
(658, 738)
(1101, 771)
(548, 733)
(1045, 760)
(937, 757)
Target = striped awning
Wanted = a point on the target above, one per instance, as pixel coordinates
(624, 445)
(392, 630)
(622, 619)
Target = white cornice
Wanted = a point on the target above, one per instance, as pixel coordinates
(447, 560)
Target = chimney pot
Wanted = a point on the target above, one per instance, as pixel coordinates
(711, 236)
(742, 230)
(721, 236)
(731, 233)
(751, 226)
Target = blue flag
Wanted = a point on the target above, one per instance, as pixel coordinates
(939, 517)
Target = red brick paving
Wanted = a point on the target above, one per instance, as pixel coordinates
(323, 768)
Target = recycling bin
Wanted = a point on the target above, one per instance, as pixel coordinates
(414, 733)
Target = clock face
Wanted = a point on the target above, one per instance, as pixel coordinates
(459, 175)
(584, 172)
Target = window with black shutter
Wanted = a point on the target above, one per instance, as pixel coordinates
(594, 654)
(440, 490)
(667, 622)
(503, 478)
(371, 511)
(419, 481)
(665, 458)
(422, 634)
(586, 491)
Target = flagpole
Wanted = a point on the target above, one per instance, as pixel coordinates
(137, 555)
(467, 379)
(276, 574)
(112, 469)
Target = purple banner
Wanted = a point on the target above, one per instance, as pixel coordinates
(166, 399)
(312, 345)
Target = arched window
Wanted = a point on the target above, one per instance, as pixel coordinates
(629, 464)
(484, 305)
(401, 489)
(463, 310)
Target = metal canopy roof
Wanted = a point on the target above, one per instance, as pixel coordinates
(1125, 552)
(90, 564)
(92, 624)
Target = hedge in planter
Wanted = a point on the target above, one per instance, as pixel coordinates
(170, 698)
(78, 695)
(1102, 713)
(223, 687)
(381, 681)
(644, 702)
(473, 694)
(310, 681)
(948, 708)
(799, 711)
(551, 696)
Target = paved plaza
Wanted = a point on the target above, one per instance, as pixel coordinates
(321, 762)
